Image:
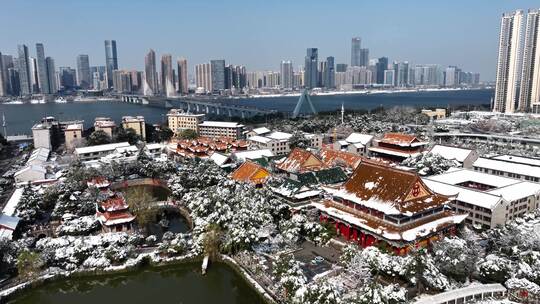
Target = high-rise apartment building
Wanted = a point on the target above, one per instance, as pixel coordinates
(68, 77)
(330, 73)
(43, 77)
(167, 81)
(364, 57)
(183, 85)
(286, 71)
(23, 67)
(150, 74)
(51, 75)
(381, 66)
(529, 92)
(203, 77)
(3, 79)
(84, 77)
(111, 60)
(310, 68)
(356, 51)
(508, 68)
(239, 77)
(341, 67)
(217, 71)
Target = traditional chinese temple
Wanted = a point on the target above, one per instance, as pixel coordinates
(252, 173)
(114, 215)
(380, 205)
(396, 147)
(299, 161)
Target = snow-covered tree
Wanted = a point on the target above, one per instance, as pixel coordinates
(427, 163)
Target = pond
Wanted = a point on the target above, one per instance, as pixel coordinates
(176, 284)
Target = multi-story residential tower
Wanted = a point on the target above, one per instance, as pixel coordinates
(356, 51)
(310, 68)
(51, 75)
(217, 71)
(529, 91)
(43, 77)
(183, 85)
(508, 68)
(167, 82)
(203, 77)
(150, 73)
(381, 66)
(286, 71)
(111, 60)
(23, 67)
(364, 57)
(330, 73)
(84, 78)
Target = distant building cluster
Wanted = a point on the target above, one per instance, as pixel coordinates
(24, 75)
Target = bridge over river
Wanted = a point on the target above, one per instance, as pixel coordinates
(206, 106)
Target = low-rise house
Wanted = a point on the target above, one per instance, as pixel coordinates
(8, 225)
(121, 155)
(242, 156)
(299, 161)
(38, 156)
(213, 129)
(105, 124)
(384, 206)
(73, 136)
(97, 152)
(346, 160)
(155, 150)
(526, 172)
(396, 147)
(31, 174)
(435, 114)
(114, 215)
(136, 123)
(262, 131)
(490, 200)
(178, 120)
(251, 172)
(222, 160)
(466, 157)
(355, 143)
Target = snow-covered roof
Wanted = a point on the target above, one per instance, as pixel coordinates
(36, 168)
(391, 152)
(220, 124)
(517, 191)
(218, 158)
(261, 130)
(355, 138)
(448, 152)
(11, 205)
(279, 135)
(466, 195)
(9, 222)
(518, 159)
(521, 169)
(101, 148)
(465, 175)
(74, 127)
(253, 154)
(39, 155)
(155, 146)
(260, 139)
(464, 292)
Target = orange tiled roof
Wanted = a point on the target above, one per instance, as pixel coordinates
(399, 138)
(332, 158)
(250, 172)
(402, 188)
(300, 160)
(114, 203)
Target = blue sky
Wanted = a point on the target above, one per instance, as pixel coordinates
(260, 33)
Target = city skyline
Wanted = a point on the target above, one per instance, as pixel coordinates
(261, 47)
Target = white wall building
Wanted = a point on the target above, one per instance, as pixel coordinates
(355, 143)
(465, 157)
(97, 152)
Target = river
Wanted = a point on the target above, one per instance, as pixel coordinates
(176, 284)
(20, 118)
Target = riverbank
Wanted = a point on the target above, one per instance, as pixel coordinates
(144, 261)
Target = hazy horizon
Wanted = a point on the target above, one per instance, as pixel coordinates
(259, 34)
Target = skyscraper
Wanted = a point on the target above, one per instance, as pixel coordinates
(381, 66)
(310, 68)
(84, 77)
(529, 92)
(23, 67)
(34, 78)
(364, 57)
(203, 77)
(341, 67)
(150, 73)
(167, 82)
(286, 71)
(218, 75)
(508, 69)
(183, 85)
(42, 69)
(3, 80)
(51, 75)
(330, 73)
(111, 60)
(356, 51)
(67, 77)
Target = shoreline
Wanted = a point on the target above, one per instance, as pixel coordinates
(146, 260)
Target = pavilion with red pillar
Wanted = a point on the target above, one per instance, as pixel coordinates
(385, 206)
